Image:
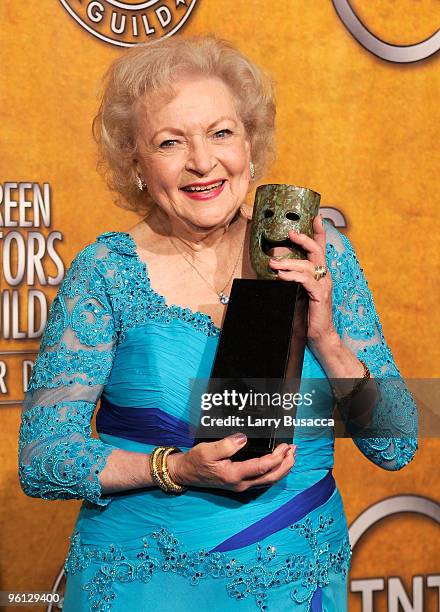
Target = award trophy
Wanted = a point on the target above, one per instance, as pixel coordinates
(261, 345)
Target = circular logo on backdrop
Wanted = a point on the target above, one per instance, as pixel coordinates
(403, 54)
(128, 22)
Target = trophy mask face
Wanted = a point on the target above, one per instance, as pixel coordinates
(278, 209)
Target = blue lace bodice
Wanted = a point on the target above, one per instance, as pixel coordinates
(106, 292)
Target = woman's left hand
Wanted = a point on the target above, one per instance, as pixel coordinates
(320, 326)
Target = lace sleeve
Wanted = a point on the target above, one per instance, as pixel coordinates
(57, 456)
(390, 440)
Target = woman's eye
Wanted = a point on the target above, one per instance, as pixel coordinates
(165, 144)
(222, 132)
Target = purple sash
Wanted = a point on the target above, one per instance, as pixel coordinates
(146, 425)
(287, 514)
(290, 512)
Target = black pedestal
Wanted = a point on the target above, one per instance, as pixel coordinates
(261, 349)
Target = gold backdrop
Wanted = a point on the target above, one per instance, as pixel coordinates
(360, 130)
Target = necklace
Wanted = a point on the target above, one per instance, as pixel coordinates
(222, 296)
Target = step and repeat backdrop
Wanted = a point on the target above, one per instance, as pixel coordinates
(358, 99)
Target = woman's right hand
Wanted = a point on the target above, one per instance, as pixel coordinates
(208, 464)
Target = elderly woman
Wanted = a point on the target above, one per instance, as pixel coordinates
(184, 127)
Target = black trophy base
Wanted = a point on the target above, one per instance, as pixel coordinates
(261, 349)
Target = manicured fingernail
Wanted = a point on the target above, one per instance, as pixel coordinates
(239, 437)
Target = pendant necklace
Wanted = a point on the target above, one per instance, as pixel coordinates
(222, 296)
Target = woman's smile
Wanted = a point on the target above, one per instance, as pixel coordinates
(204, 191)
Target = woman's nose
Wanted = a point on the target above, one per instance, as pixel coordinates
(199, 158)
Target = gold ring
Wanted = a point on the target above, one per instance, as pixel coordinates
(320, 272)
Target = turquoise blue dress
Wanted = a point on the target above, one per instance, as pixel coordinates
(109, 335)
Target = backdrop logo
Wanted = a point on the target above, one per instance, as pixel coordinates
(397, 596)
(384, 50)
(128, 23)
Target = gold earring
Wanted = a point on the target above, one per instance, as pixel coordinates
(252, 169)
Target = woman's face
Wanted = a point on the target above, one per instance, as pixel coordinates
(195, 139)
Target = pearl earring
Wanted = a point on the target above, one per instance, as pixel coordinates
(139, 182)
(252, 169)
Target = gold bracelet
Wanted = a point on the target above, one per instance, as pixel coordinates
(173, 487)
(155, 458)
(357, 387)
(159, 470)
